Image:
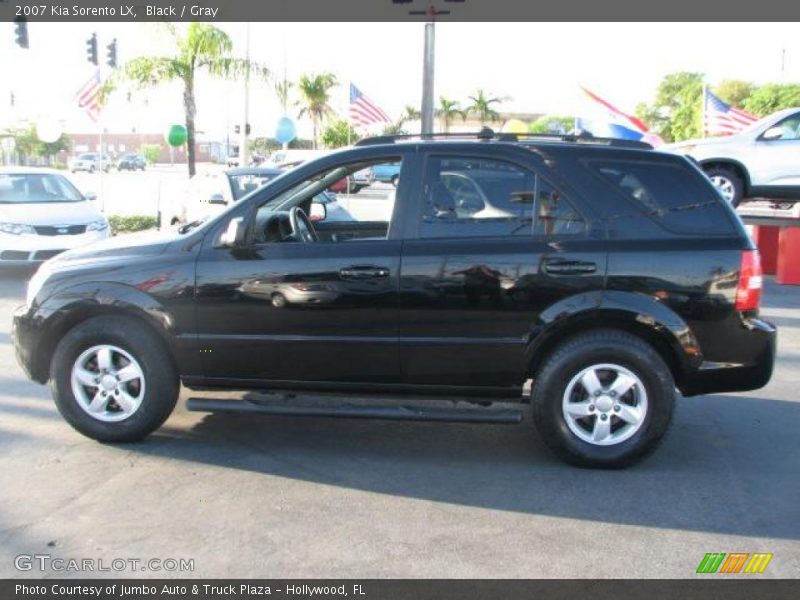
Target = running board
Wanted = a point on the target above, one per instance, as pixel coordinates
(409, 411)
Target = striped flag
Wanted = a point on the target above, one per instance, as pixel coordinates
(723, 119)
(363, 111)
(603, 119)
(88, 96)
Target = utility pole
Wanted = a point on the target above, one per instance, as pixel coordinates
(783, 65)
(427, 77)
(245, 130)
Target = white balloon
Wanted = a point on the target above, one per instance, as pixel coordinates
(48, 130)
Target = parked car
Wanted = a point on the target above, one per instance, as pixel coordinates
(387, 173)
(762, 161)
(131, 162)
(43, 214)
(607, 276)
(210, 193)
(91, 162)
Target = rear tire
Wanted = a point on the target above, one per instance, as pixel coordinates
(395, 179)
(120, 398)
(728, 182)
(568, 413)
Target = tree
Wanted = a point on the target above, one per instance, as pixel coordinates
(409, 114)
(282, 89)
(339, 133)
(482, 107)
(676, 113)
(28, 145)
(734, 91)
(772, 97)
(552, 124)
(199, 47)
(315, 94)
(448, 110)
(151, 152)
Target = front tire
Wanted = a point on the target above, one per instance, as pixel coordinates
(112, 379)
(729, 184)
(603, 399)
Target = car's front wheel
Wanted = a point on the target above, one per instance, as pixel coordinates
(112, 379)
(603, 399)
(728, 182)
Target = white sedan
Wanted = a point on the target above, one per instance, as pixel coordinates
(43, 214)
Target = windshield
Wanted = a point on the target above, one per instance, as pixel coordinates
(29, 188)
(87, 156)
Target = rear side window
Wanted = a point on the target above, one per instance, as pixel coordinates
(476, 197)
(676, 196)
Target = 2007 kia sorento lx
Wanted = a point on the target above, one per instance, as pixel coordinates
(590, 278)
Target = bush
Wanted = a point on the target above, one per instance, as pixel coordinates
(151, 152)
(130, 224)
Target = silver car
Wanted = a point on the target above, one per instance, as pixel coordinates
(762, 161)
(91, 162)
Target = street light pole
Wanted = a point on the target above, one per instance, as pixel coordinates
(243, 154)
(427, 77)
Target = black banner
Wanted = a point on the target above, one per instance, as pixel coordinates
(402, 10)
(744, 588)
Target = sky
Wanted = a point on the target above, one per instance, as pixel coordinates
(538, 66)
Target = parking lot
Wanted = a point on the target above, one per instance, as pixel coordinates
(259, 496)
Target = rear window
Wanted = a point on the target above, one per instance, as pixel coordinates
(676, 196)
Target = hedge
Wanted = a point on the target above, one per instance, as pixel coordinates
(120, 224)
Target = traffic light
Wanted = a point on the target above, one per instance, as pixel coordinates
(91, 49)
(112, 54)
(21, 32)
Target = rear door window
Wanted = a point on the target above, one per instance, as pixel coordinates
(676, 196)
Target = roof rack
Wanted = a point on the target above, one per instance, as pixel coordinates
(487, 134)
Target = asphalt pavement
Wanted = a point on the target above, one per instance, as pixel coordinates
(252, 496)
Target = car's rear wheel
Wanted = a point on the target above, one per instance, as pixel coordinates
(728, 182)
(112, 379)
(394, 180)
(279, 300)
(603, 399)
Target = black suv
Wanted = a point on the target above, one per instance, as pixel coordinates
(590, 278)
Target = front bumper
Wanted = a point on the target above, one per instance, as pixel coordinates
(25, 336)
(31, 249)
(759, 339)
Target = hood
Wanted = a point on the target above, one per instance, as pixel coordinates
(50, 213)
(126, 245)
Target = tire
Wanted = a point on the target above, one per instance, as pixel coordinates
(394, 180)
(728, 182)
(91, 169)
(153, 395)
(279, 300)
(610, 354)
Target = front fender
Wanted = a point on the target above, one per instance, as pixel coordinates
(638, 313)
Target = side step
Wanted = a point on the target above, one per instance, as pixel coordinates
(408, 411)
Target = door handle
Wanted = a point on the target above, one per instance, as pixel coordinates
(569, 267)
(363, 272)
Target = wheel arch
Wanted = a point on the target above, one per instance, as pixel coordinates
(69, 308)
(728, 163)
(637, 314)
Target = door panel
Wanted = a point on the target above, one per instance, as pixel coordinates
(467, 306)
(294, 311)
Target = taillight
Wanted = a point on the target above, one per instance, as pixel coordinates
(748, 294)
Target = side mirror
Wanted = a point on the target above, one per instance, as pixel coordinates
(319, 212)
(233, 236)
(217, 199)
(90, 196)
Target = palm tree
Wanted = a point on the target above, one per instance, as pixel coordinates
(200, 47)
(482, 107)
(314, 96)
(410, 114)
(282, 91)
(448, 110)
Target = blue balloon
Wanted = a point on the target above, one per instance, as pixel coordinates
(286, 131)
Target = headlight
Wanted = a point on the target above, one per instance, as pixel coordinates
(35, 285)
(16, 228)
(99, 225)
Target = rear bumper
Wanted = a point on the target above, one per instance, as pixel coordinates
(759, 338)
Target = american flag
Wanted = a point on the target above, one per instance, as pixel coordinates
(723, 119)
(363, 111)
(88, 96)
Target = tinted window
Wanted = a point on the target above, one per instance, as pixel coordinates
(676, 196)
(468, 197)
(790, 128)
